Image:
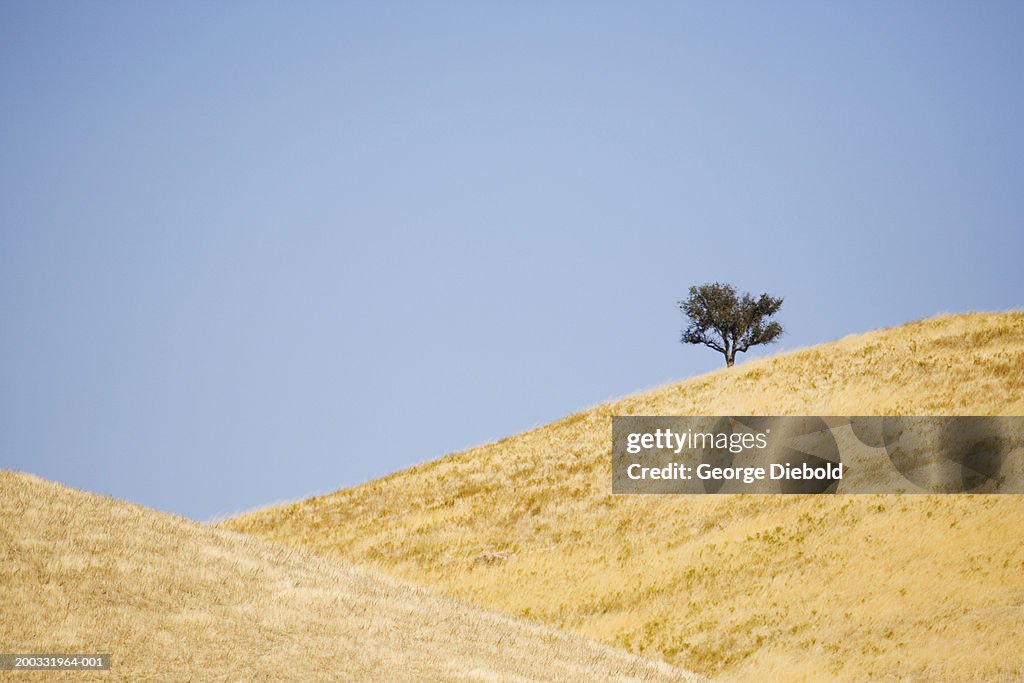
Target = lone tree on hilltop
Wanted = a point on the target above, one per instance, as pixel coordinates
(727, 323)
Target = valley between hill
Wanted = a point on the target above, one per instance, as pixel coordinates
(173, 600)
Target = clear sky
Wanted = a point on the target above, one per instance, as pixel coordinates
(254, 251)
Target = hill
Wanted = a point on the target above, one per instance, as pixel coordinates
(170, 599)
(849, 587)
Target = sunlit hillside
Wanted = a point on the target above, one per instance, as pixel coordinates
(756, 587)
(173, 600)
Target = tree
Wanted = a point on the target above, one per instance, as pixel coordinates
(727, 323)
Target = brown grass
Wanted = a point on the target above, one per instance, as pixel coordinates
(788, 588)
(174, 600)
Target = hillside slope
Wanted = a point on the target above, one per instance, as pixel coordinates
(852, 587)
(170, 599)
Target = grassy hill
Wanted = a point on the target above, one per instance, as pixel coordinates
(850, 587)
(174, 600)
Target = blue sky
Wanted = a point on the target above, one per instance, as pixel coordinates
(252, 251)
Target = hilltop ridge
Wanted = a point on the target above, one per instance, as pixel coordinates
(798, 587)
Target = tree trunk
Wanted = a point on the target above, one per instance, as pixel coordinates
(730, 360)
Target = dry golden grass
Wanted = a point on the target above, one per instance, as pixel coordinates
(741, 587)
(174, 600)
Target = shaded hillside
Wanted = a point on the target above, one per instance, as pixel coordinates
(173, 600)
(852, 587)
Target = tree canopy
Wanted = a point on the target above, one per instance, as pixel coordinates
(728, 323)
